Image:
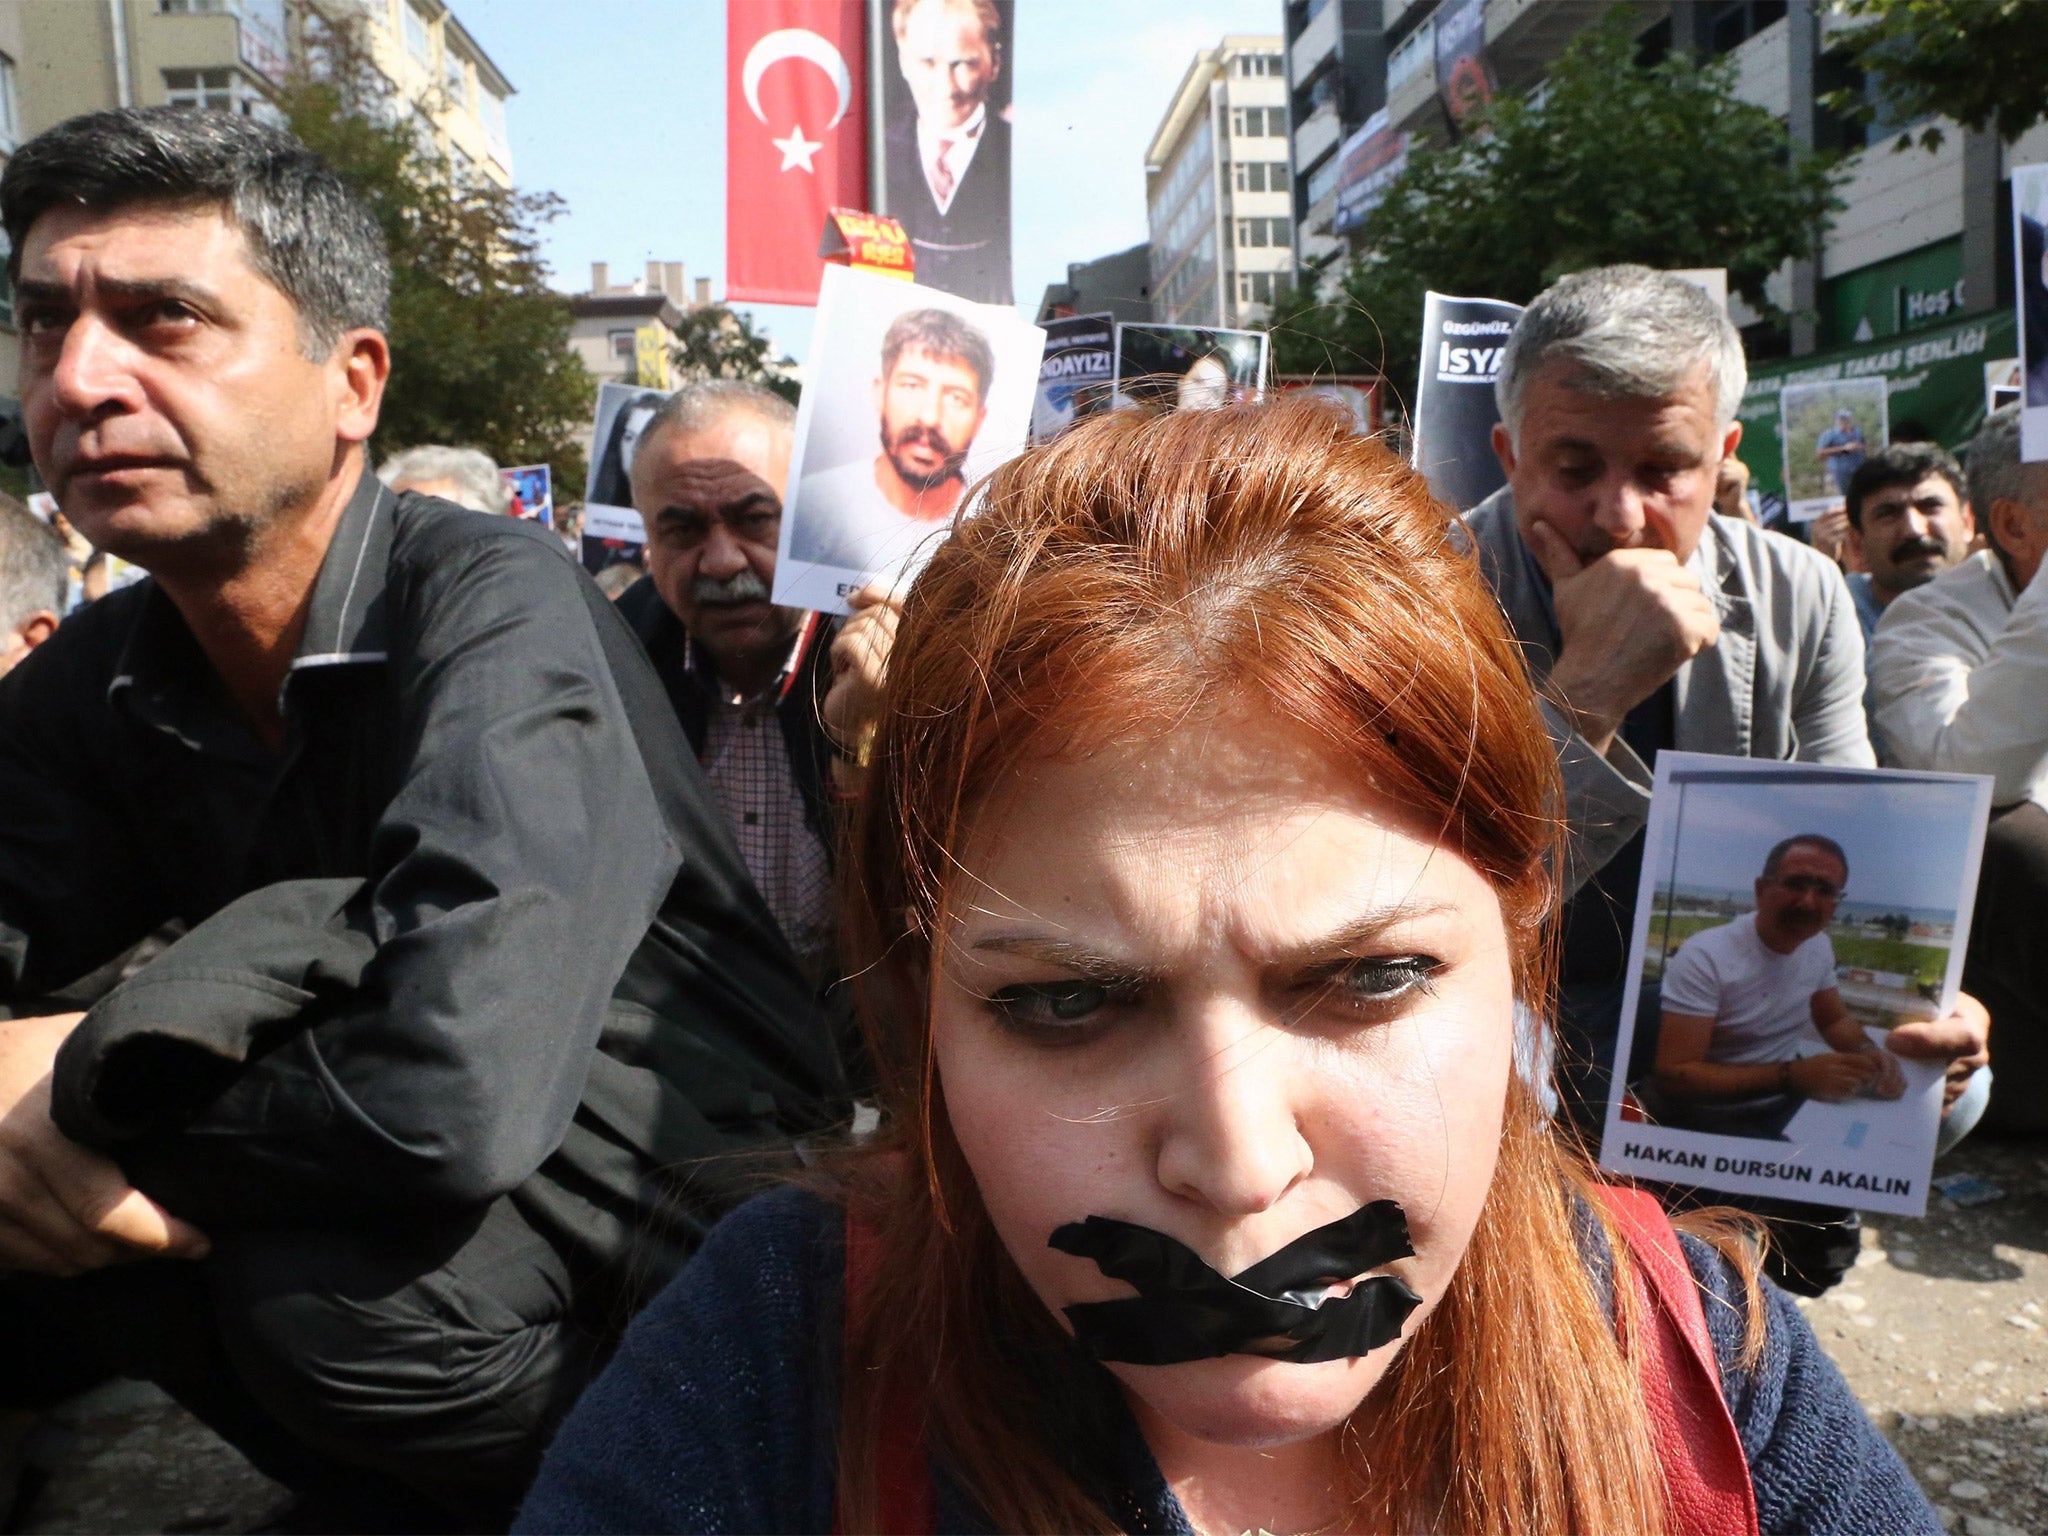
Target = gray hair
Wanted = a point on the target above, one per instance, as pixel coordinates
(703, 401)
(307, 233)
(482, 488)
(1624, 333)
(1993, 463)
(35, 567)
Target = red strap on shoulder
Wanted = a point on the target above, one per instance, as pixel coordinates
(1706, 1475)
(903, 1477)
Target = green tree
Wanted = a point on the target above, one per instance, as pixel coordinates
(1983, 63)
(1616, 162)
(479, 342)
(715, 342)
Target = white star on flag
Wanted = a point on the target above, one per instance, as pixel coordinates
(797, 150)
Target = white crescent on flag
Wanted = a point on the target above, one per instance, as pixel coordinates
(795, 43)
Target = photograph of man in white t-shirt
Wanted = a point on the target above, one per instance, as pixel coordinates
(1753, 1024)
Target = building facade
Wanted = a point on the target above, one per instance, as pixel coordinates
(1925, 235)
(1337, 80)
(605, 322)
(1218, 188)
(1119, 285)
(439, 79)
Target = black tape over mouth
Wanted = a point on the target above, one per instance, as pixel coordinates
(1281, 1308)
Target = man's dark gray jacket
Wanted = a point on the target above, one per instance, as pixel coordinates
(476, 930)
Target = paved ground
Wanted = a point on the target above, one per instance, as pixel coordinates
(1942, 1330)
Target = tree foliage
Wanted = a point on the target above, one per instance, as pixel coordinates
(1982, 63)
(479, 342)
(715, 342)
(1615, 162)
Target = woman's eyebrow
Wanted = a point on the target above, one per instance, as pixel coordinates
(1361, 932)
(1064, 953)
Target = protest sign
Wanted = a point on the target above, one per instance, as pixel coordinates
(1464, 77)
(945, 77)
(612, 530)
(2030, 248)
(530, 492)
(2004, 384)
(1789, 916)
(1828, 429)
(1463, 341)
(1369, 162)
(943, 386)
(1188, 367)
(867, 242)
(1077, 374)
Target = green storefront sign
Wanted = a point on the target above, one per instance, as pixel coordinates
(1888, 298)
(1934, 379)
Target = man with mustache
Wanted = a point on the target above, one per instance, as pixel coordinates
(367, 1168)
(749, 680)
(1741, 1000)
(930, 400)
(1910, 517)
(1650, 623)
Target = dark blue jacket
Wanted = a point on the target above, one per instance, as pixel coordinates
(721, 1409)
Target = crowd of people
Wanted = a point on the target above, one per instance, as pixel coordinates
(510, 1054)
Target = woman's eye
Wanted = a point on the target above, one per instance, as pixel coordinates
(1053, 1006)
(1375, 982)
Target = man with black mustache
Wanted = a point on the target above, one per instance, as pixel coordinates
(748, 679)
(930, 398)
(1912, 521)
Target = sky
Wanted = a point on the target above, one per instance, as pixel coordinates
(1906, 842)
(620, 110)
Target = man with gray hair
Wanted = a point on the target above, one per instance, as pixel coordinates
(1959, 677)
(748, 679)
(369, 1166)
(35, 577)
(1651, 623)
(466, 476)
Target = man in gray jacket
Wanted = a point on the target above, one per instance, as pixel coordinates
(1649, 623)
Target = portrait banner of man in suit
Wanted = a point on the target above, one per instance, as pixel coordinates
(2030, 247)
(946, 139)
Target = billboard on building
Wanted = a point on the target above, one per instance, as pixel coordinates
(796, 145)
(944, 169)
(1464, 77)
(1367, 166)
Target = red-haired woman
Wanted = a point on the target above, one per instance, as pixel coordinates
(1203, 858)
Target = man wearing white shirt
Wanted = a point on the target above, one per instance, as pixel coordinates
(949, 167)
(1959, 674)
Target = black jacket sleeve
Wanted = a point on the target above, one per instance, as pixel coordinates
(421, 1035)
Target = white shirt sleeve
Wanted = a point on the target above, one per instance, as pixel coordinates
(1692, 983)
(1946, 702)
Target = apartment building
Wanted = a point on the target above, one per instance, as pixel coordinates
(1337, 81)
(1218, 188)
(440, 79)
(605, 322)
(1925, 234)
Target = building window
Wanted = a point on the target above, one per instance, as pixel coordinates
(622, 343)
(491, 108)
(193, 7)
(1251, 231)
(1730, 26)
(417, 41)
(455, 78)
(1250, 175)
(10, 117)
(1260, 287)
(216, 90)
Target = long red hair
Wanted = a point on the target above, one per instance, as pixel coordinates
(1140, 571)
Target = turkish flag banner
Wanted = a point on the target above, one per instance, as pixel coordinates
(796, 140)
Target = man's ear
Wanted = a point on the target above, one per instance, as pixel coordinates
(1504, 448)
(1731, 439)
(37, 628)
(361, 366)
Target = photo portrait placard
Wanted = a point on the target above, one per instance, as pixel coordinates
(2030, 251)
(1188, 367)
(910, 397)
(1789, 917)
(612, 530)
(1829, 429)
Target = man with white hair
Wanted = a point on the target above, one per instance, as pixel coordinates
(1959, 679)
(466, 476)
(1650, 623)
(35, 571)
